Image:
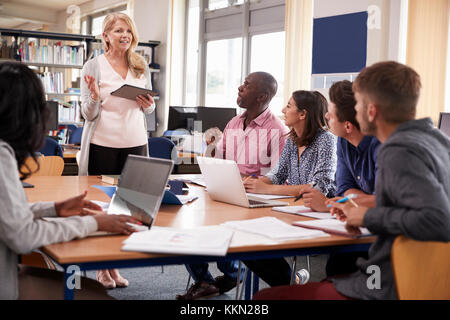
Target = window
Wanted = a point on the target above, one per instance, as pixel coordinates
(272, 61)
(93, 24)
(223, 72)
(219, 4)
(233, 39)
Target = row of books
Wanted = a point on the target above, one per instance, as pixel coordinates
(7, 50)
(69, 114)
(56, 53)
(53, 82)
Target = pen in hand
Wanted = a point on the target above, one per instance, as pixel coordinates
(301, 196)
(348, 198)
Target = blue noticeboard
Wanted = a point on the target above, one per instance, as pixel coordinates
(340, 43)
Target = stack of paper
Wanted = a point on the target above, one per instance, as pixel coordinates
(210, 241)
(304, 211)
(332, 226)
(274, 229)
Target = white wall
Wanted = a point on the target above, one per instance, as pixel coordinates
(153, 21)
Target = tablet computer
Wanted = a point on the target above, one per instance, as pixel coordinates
(131, 92)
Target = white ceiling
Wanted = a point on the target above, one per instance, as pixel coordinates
(55, 5)
(32, 14)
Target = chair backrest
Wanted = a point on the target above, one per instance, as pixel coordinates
(75, 136)
(51, 148)
(161, 148)
(48, 166)
(421, 269)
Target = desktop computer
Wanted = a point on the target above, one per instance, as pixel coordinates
(52, 121)
(191, 118)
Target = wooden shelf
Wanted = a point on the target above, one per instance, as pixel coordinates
(63, 94)
(53, 65)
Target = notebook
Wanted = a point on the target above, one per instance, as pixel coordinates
(332, 226)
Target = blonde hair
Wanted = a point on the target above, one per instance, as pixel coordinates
(135, 61)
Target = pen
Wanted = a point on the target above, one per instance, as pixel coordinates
(347, 198)
(301, 196)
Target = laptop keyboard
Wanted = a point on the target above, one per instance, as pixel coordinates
(252, 202)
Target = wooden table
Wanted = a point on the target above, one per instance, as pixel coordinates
(105, 252)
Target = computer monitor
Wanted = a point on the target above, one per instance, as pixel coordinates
(182, 118)
(188, 118)
(52, 121)
(215, 117)
(444, 123)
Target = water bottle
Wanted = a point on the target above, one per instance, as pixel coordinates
(302, 276)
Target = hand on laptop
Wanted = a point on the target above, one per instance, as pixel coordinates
(254, 185)
(116, 223)
(75, 206)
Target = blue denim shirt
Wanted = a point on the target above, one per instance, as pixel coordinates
(356, 166)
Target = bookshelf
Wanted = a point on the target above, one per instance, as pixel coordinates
(58, 59)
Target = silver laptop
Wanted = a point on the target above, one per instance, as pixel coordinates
(224, 183)
(141, 188)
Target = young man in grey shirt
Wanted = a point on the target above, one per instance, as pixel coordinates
(412, 186)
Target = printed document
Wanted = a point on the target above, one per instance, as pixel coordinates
(304, 211)
(274, 229)
(209, 240)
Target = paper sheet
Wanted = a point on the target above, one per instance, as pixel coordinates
(268, 196)
(274, 229)
(304, 211)
(209, 240)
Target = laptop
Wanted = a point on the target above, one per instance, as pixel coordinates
(444, 123)
(224, 183)
(141, 188)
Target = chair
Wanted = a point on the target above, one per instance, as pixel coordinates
(421, 269)
(161, 148)
(48, 166)
(75, 135)
(51, 148)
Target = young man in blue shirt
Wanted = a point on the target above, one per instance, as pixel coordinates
(356, 167)
(357, 153)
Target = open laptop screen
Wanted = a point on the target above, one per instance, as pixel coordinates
(141, 187)
(444, 123)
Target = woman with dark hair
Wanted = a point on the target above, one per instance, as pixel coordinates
(23, 116)
(309, 156)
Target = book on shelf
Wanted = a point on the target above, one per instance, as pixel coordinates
(69, 112)
(111, 179)
(43, 51)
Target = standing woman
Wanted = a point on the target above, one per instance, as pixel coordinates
(114, 127)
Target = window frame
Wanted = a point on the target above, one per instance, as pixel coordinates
(90, 17)
(246, 31)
